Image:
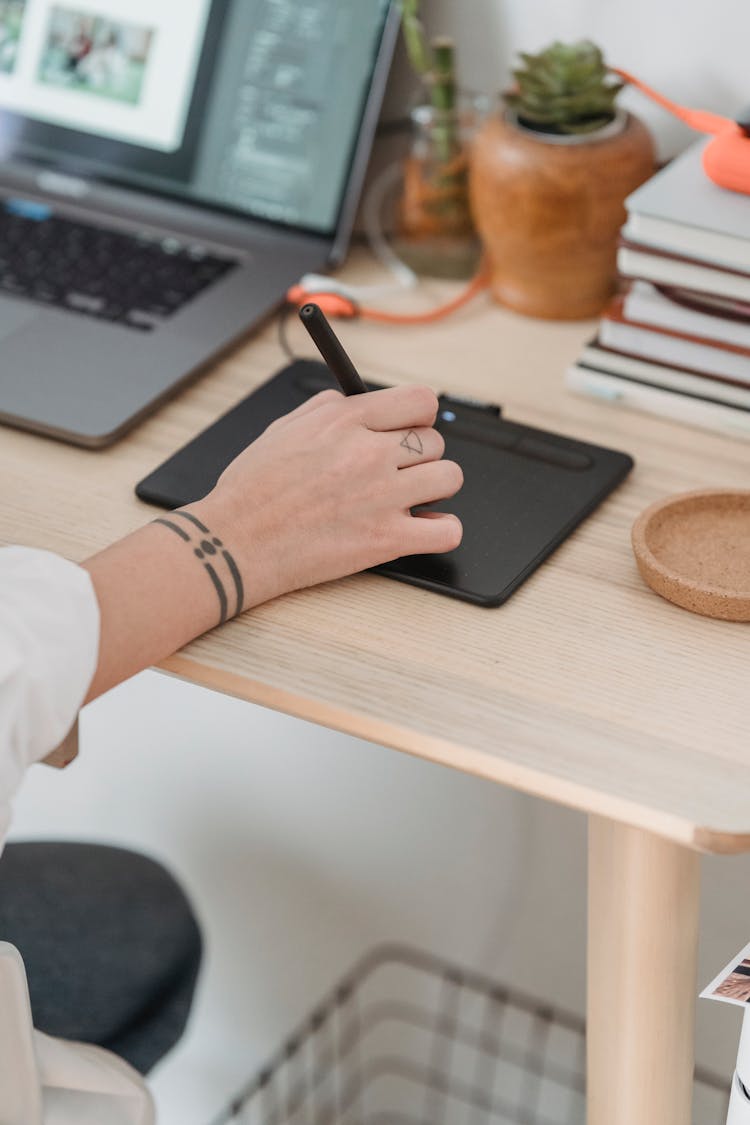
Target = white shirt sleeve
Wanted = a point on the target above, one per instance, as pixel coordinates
(49, 644)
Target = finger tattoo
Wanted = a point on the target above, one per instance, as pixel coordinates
(413, 442)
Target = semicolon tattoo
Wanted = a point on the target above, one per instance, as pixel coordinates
(413, 442)
(211, 553)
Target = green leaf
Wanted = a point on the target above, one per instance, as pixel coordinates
(415, 38)
(567, 84)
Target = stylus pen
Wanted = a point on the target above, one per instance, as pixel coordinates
(332, 350)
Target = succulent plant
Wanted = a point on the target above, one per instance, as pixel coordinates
(566, 88)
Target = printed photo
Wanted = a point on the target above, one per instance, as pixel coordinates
(736, 986)
(11, 23)
(95, 54)
(732, 985)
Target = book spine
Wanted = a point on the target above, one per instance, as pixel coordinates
(638, 370)
(712, 248)
(685, 353)
(671, 271)
(658, 312)
(676, 407)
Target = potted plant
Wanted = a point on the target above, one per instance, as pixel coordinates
(549, 176)
(434, 226)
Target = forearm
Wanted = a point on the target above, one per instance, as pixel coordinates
(161, 587)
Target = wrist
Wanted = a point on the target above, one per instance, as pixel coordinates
(228, 543)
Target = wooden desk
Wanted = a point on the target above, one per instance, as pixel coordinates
(584, 689)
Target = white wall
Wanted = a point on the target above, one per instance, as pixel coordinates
(302, 847)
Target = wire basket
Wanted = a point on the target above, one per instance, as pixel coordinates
(406, 1039)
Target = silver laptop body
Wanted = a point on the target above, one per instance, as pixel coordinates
(75, 372)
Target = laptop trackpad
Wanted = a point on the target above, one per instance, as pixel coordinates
(14, 315)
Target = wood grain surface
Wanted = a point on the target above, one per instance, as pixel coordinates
(586, 688)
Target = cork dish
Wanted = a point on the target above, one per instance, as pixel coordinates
(694, 550)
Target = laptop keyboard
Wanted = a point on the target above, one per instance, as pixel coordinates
(135, 280)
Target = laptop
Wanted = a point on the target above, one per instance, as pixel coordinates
(168, 168)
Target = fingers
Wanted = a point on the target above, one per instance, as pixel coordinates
(432, 533)
(323, 398)
(416, 446)
(422, 484)
(397, 408)
(391, 409)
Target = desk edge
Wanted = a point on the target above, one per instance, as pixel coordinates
(532, 782)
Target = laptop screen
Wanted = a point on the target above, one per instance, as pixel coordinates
(253, 106)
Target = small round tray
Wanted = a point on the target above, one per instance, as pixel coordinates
(694, 550)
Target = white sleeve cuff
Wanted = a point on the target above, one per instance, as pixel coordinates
(49, 643)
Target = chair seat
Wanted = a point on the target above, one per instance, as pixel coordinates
(47, 1081)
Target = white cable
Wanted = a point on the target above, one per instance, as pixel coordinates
(372, 214)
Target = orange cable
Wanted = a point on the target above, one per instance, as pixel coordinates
(478, 283)
(336, 305)
(699, 119)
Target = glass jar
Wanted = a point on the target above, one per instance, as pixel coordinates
(435, 232)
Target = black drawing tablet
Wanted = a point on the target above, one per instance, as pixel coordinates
(525, 490)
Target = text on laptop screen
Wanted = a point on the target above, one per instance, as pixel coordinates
(251, 105)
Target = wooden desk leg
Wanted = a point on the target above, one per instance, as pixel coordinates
(642, 949)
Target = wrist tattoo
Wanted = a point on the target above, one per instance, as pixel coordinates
(413, 442)
(210, 551)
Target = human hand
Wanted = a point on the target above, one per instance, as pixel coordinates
(328, 490)
(325, 491)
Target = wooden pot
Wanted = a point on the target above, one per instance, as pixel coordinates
(549, 210)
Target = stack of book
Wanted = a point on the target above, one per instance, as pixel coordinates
(676, 340)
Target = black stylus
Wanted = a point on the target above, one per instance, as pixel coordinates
(331, 348)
